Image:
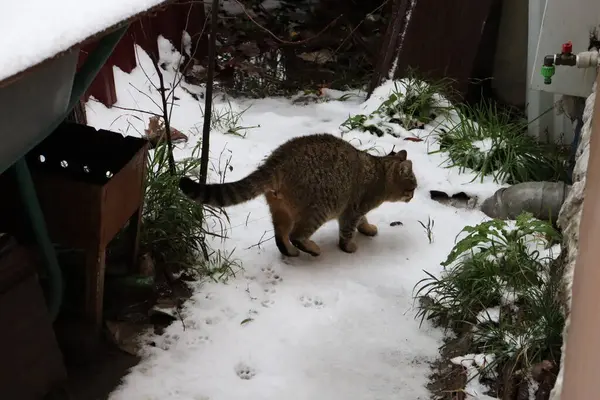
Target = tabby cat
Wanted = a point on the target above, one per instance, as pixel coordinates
(310, 180)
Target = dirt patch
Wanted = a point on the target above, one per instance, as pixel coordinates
(133, 304)
(448, 380)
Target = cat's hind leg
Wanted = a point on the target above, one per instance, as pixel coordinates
(305, 226)
(283, 224)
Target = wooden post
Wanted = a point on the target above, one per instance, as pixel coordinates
(95, 265)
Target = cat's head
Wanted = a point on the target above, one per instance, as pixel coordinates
(400, 179)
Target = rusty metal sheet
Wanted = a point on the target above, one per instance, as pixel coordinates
(442, 39)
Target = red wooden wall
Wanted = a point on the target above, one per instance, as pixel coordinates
(170, 22)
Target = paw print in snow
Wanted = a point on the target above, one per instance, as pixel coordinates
(244, 371)
(193, 323)
(270, 290)
(194, 341)
(288, 260)
(267, 303)
(268, 270)
(204, 339)
(166, 341)
(212, 320)
(229, 312)
(273, 278)
(312, 302)
(249, 276)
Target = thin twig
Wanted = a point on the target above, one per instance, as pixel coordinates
(191, 58)
(145, 73)
(261, 241)
(277, 38)
(132, 109)
(359, 24)
(146, 94)
(162, 90)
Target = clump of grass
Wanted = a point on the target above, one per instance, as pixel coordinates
(228, 120)
(412, 104)
(174, 228)
(498, 267)
(491, 141)
(428, 228)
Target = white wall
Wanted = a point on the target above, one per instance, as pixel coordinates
(565, 21)
(515, 64)
(551, 126)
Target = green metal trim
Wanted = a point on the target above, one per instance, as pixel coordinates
(38, 225)
(92, 65)
(88, 71)
(83, 79)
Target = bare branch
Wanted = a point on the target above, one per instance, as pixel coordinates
(165, 110)
(132, 109)
(277, 38)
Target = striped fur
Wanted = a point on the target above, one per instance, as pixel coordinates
(225, 194)
(310, 180)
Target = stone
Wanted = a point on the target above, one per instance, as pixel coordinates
(569, 219)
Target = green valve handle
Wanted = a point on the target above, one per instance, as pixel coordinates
(547, 73)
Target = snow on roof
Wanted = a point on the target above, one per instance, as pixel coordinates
(32, 31)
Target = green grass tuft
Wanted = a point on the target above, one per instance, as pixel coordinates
(498, 266)
(491, 141)
(174, 228)
(412, 104)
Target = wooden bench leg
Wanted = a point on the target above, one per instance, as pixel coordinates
(95, 264)
(135, 224)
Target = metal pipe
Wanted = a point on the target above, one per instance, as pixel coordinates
(543, 199)
(549, 60)
(588, 59)
(564, 59)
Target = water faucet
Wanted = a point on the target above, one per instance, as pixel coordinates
(566, 57)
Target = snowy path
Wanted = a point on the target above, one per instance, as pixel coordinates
(338, 326)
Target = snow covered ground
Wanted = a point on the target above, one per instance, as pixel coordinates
(339, 326)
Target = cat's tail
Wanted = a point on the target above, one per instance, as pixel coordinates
(227, 194)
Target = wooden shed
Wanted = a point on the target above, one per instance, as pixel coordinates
(42, 77)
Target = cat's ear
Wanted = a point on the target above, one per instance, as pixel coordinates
(406, 166)
(401, 155)
(392, 152)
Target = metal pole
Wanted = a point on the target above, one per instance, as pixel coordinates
(209, 92)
